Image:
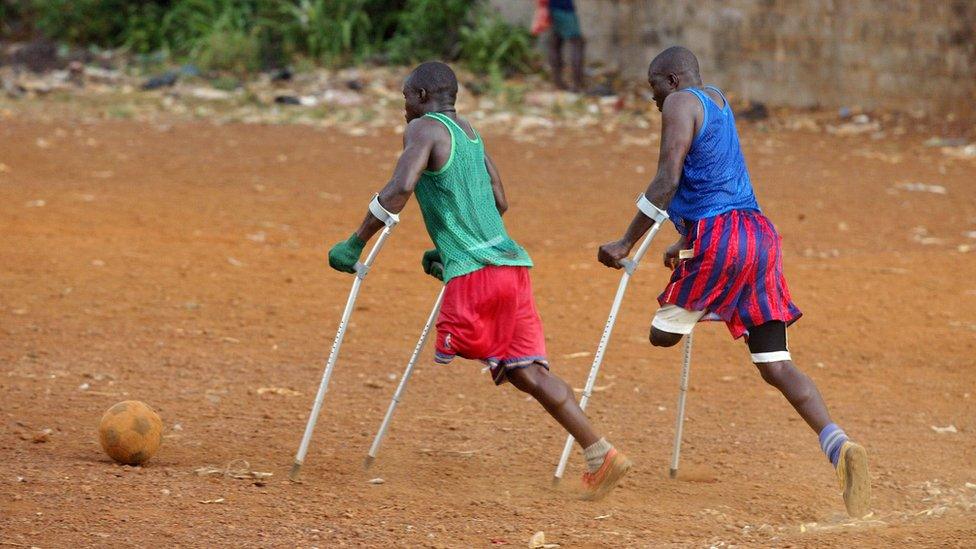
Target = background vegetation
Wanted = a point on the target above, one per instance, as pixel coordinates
(250, 35)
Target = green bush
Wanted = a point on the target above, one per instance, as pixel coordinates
(329, 31)
(428, 29)
(247, 35)
(490, 45)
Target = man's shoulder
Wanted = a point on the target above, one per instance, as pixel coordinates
(425, 128)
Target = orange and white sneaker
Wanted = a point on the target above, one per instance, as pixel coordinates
(852, 472)
(597, 485)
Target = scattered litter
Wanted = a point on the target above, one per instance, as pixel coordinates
(582, 354)
(277, 391)
(210, 94)
(235, 262)
(859, 124)
(97, 263)
(922, 187)
(601, 517)
(238, 468)
(161, 81)
(967, 152)
(971, 486)
(755, 111)
(376, 480)
(218, 500)
(35, 204)
(945, 141)
(84, 387)
(538, 541)
(596, 389)
(230, 340)
(921, 235)
(42, 143)
(259, 236)
(948, 429)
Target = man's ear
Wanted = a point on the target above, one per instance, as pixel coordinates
(423, 95)
(673, 80)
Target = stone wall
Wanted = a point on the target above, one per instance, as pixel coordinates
(904, 54)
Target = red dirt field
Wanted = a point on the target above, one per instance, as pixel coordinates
(184, 265)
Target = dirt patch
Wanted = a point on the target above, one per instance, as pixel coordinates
(183, 264)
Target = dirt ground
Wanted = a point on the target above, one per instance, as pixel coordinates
(184, 265)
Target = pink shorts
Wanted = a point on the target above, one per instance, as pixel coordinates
(490, 315)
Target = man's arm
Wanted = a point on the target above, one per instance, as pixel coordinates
(677, 133)
(496, 186)
(418, 141)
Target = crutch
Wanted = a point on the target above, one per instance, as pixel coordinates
(680, 421)
(362, 269)
(630, 265)
(398, 394)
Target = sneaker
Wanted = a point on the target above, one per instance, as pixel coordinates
(852, 472)
(597, 485)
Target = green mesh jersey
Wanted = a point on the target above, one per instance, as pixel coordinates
(460, 212)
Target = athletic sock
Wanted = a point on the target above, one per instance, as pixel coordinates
(832, 438)
(595, 454)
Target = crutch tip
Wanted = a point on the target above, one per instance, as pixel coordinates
(368, 462)
(556, 481)
(673, 473)
(296, 469)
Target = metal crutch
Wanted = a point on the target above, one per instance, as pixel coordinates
(361, 270)
(630, 265)
(375, 448)
(680, 421)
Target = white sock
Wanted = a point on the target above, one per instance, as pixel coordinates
(595, 453)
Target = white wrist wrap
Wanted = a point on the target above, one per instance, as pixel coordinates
(381, 213)
(650, 210)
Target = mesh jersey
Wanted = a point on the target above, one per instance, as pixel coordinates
(714, 178)
(460, 212)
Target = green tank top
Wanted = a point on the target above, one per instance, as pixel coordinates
(460, 212)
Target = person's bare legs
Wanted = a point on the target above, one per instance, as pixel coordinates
(556, 60)
(799, 390)
(556, 396)
(576, 49)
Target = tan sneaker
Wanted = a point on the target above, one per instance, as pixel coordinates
(597, 485)
(852, 472)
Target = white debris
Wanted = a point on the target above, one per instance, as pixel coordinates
(922, 187)
(947, 429)
(376, 480)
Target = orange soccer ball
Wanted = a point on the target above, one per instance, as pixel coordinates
(130, 432)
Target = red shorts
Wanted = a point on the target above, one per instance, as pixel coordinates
(490, 315)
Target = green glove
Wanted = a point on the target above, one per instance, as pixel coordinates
(433, 264)
(344, 255)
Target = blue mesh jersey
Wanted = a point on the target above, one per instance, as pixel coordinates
(714, 178)
(566, 5)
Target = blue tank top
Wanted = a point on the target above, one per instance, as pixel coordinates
(714, 178)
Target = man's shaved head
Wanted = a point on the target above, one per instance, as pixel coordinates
(673, 69)
(436, 78)
(674, 60)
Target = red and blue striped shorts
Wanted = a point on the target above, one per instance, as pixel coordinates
(735, 274)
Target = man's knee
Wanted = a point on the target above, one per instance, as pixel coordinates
(776, 373)
(660, 338)
(527, 379)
